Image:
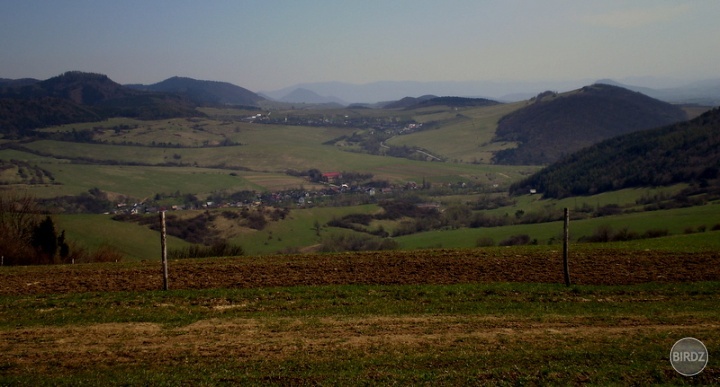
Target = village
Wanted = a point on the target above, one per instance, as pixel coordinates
(336, 191)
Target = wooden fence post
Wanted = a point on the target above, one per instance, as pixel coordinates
(163, 245)
(566, 239)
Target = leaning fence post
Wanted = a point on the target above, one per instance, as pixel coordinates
(566, 238)
(163, 245)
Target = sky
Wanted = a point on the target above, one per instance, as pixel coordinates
(265, 45)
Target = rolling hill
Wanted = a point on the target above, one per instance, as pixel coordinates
(682, 152)
(432, 100)
(407, 102)
(205, 93)
(553, 125)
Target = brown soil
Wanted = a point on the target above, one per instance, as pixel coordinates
(597, 266)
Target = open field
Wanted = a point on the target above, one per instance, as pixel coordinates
(466, 134)
(484, 316)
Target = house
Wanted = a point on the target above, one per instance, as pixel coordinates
(331, 176)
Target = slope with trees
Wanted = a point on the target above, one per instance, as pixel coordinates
(672, 154)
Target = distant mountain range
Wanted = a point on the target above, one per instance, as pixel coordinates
(553, 125)
(374, 92)
(682, 152)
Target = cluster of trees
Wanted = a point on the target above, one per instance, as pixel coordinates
(94, 201)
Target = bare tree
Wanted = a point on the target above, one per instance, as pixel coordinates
(18, 218)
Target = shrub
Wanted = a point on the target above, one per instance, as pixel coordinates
(356, 242)
(602, 234)
(516, 240)
(218, 249)
(655, 233)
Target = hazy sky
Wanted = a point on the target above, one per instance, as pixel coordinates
(269, 44)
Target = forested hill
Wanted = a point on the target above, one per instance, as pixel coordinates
(81, 97)
(672, 154)
(554, 125)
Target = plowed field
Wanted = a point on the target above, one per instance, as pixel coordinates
(542, 265)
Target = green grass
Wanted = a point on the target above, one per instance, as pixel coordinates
(497, 334)
(144, 182)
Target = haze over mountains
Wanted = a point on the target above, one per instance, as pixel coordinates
(706, 92)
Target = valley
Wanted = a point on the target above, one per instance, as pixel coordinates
(320, 164)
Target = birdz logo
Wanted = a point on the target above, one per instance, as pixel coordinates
(689, 356)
